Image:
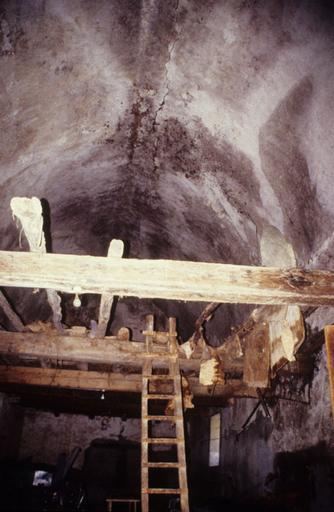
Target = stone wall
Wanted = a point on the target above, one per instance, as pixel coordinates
(11, 420)
(293, 449)
(46, 435)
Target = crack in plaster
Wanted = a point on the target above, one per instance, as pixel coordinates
(171, 48)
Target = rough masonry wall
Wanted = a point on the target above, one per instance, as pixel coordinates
(11, 422)
(293, 450)
(45, 435)
(293, 426)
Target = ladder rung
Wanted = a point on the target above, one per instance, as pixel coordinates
(163, 465)
(155, 353)
(163, 355)
(161, 491)
(159, 377)
(161, 440)
(157, 417)
(152, 396)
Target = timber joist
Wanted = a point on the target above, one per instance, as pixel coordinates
(118, 382)
(167, 279)
(107, 350)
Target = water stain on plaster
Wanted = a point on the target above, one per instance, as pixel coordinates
(142, 178)
(287, 169)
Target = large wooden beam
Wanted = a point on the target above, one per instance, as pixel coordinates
(117, 382)
(74, 379)
(79, 349)
(180, 280)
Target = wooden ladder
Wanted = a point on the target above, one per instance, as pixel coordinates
(168, 359)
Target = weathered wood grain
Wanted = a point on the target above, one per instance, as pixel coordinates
(82, 349)
(74, 379)
(286, 332)
(29, 212)
(116, 249)
(179, 280)
(257, 357)
(79, 349)
(329, 337)
(118, 382)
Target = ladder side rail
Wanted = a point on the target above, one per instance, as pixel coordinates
(147, 369)
(178, 411)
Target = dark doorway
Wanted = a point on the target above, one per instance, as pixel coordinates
(111, 469)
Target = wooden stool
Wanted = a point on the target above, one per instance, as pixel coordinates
(131, 502)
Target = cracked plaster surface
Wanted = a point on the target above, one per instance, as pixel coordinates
(182, 127)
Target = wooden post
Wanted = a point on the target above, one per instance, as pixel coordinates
(257, 357)
(149, 333)
(172, 335)
(10, 313)
(329, 337)
(30, 214)
(116, 249)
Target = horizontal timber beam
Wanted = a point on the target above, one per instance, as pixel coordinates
(117, 382)
(167, 279)
(74, 379)
(79, 349)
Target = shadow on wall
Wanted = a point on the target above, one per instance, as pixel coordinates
(304, 480)
(111, 468)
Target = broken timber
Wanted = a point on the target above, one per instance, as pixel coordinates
(179, 280)
(257, 357)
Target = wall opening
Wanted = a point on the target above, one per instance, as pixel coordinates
(214, 445)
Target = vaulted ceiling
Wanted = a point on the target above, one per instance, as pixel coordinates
(182, 127)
